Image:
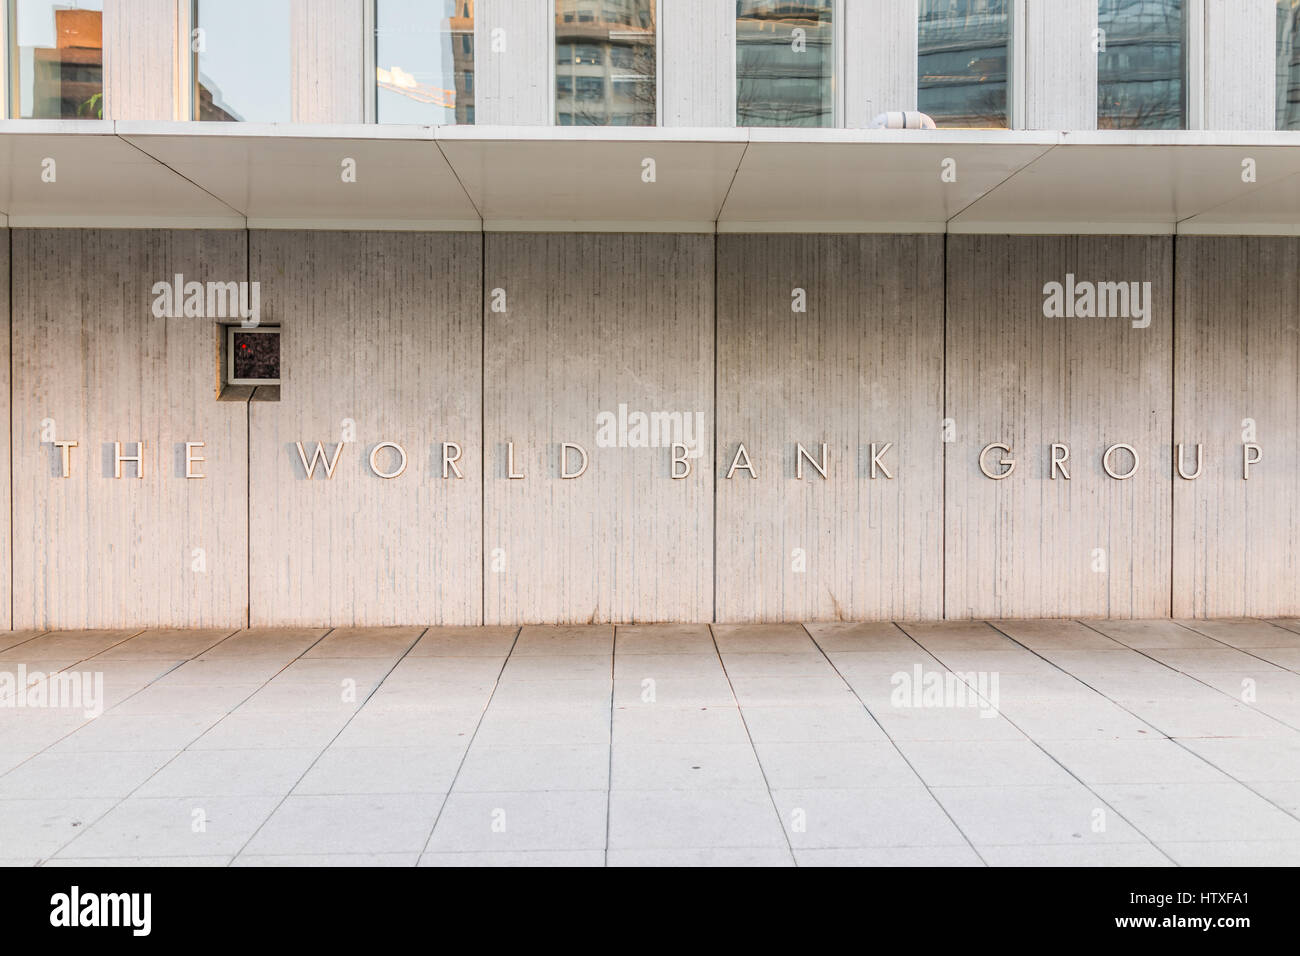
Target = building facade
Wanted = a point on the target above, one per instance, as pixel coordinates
(363, 313)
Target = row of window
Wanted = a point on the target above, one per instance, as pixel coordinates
(606, 63)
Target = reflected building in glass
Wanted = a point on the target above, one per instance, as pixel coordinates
(1140, 73)
(962, 48)
(57, 52)
(605, 63)
(242, 61)
(785, 63)
(1288, 64)
(424, 61)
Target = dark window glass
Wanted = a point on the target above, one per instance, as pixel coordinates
(962, 48)
(785, 63)
(255, 356)
(57, 52)
(242, 61)
(1288, 64)
(424, 61)
(605, 63)
(1141, 72)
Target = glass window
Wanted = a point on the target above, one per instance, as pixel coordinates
(424, 61)
(1141, 70)
(785, 63)
(605, 63)
(57, 59)
(963, 48)
(1288, 64)
(241, 70)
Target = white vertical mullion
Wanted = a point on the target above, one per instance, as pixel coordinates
(1194, 52)
(838, 59)
(369, 82)
(1017, 67)
(7, 63)
(183, 76)
(551, 118)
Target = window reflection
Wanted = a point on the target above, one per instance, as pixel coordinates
(1288, 64)
(785, 63)
(58, 59)
(1140, 73)
(424, 61)
(242, 61)
(605, 63)
(962, 61)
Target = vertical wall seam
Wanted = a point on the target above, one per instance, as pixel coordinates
(1173, 411)
(248, 458)
(714, 456)
(10, 243)
(943, 444)
(482, 424)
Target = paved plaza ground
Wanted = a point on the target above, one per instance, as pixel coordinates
(1003, 743)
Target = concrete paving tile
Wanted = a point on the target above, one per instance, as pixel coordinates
(1132, 761)
(452, 641)
(546, 858)
(409, 727)
(81, 775)
(878, 817)
(1054, 635)
(407, 859)
(112, 733)
(703, 857)
(386, 643)
(834, 766)
(1104, 854)
(1152, 634)
(1096, 720)
(668, 724)
(684, 639)
(275, 731)
(847, 721)
(536, 820)
(669, 691)
(1247, 758)
(843, 636)
(165, 644)
(173, 699)
(585, 667)
(514, 768)
(172, 826)
(891, 856)
(685, 766)
(784, 691)
(810, 663)
(762, 639)
(579, 723)
(1002, 816)
(679, 819)
(364, 770)
(38, 828)
(1199, 812)
(229, 773)
(352, 823)
(957, 635)
(1011, 763)
(128, 862)
(549, 640)
(1244, 632)
(1235, 853)
(657, 667)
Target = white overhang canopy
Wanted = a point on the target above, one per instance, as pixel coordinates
(235, 175)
